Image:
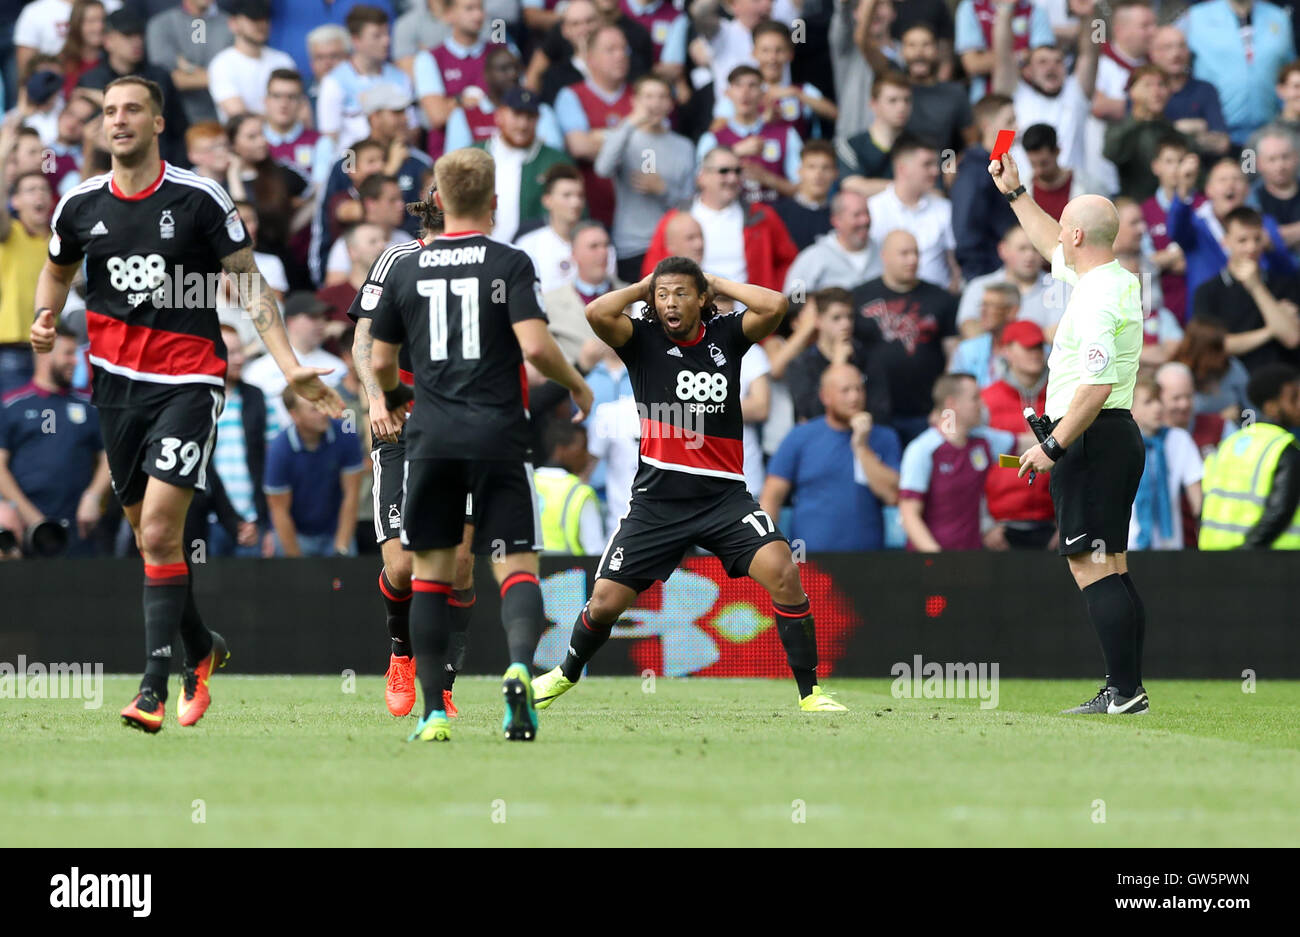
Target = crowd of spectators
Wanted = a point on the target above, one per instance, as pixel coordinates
(832, 149)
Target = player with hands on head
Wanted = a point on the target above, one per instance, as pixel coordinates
(684, 362)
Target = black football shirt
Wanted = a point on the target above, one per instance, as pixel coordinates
(688, 402)
(367, 298)
(453, 303)
(153, 265)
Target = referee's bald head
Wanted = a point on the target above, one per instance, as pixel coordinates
(1096, 217)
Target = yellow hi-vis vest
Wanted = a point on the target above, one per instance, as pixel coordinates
(561, 497)
(1238, 478)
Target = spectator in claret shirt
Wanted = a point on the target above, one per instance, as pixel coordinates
(769, 151)
(1175, 168)
(838, 471)
(807, 213)
(1052, 185)
(291, 141)
(312, 483)
(941, 482)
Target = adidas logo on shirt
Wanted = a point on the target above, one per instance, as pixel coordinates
(675, 352)
(99, 228)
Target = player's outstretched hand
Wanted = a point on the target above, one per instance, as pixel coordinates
(42, 332)
(308, 385)
(583, 399)
(1005, 173)
(384, 423)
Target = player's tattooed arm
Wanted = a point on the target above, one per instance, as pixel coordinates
(764, 308)
(382, 424)
(377, 368)
(608, 317)
(260, 305)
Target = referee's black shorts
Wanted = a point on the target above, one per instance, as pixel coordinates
(1093, 485)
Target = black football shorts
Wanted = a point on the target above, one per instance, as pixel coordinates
(655, 534)
(171, 440)
(1093, 485)
(438, 495)
(387, 465)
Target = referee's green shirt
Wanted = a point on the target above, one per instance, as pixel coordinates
(1099, 338)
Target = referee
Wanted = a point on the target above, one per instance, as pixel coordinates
(1095, 451)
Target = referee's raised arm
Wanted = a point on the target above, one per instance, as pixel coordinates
(1038, 224)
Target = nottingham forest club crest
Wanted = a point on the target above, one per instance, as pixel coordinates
(166, 225)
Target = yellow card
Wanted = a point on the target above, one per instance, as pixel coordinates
(1008, 461)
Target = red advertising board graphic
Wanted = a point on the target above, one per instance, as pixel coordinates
(703, 623)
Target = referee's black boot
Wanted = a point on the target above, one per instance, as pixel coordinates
(1108, 701)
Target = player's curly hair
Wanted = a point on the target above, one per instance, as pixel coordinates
(682, 265)
(431, 218)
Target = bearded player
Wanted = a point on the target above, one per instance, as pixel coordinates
(684, 362)
(146, 230)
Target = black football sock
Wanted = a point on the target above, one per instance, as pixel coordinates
(794, 625)
(1141, 620)
(194, 633)
(430, 629)
(588, 637)
(522, 616)
(165, 587)
(462, 610)
(1114, 616)
(397, 608)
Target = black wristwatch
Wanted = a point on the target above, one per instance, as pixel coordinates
(1053, 449)
(1015, 193)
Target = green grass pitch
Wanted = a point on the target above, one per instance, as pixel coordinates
(296, 761)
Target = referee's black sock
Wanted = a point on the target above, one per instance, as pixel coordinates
(794, 625)
(430, 631)
(462, 610)
(588, 637)
(1116, 620)
(397, 609)
(522, 616)
(195, 635)
(165, 589)
(1141, 620)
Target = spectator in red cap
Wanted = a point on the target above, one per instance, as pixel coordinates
(1022, 514)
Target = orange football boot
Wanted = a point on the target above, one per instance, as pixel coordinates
(195, 697)
(145, 712)
(399, 693)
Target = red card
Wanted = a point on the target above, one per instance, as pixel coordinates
(1005, 139)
